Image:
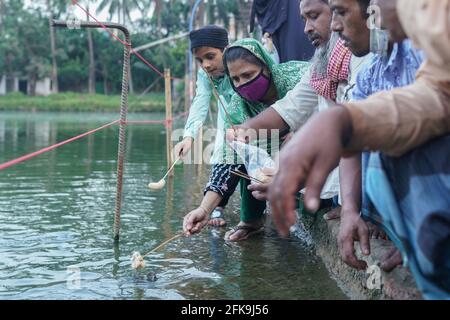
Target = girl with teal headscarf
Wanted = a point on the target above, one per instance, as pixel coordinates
(258, 83)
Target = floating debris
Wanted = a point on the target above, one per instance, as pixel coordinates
(137, 261)
(151, 276)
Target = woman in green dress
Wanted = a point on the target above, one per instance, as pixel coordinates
(258, 83)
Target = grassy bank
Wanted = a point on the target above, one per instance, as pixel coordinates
(81, 102)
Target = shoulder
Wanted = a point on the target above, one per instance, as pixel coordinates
(202, 79)
(364, 77)
(236, 109)
(357, 64)
(291, 71)
(201, 74)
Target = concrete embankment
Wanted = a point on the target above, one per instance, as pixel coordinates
(397, 284)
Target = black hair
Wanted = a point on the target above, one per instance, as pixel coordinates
(324, 1)
(363, 5)
(237, 53)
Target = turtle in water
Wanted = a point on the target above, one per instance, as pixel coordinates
(151, 276)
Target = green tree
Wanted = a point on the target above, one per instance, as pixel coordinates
(91, 81)
(34, 41)
(54, 7)
(120, 8)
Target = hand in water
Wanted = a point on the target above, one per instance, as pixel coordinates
(194, 221)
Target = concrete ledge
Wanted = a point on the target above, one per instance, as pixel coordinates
(397, 284)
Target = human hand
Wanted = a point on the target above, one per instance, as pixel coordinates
(286, 139)
(259, 190)
(182, 148)
(353, 228)
(194, 221)
(241, 133)
(307, 160)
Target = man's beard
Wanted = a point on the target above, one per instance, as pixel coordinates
(319, 62)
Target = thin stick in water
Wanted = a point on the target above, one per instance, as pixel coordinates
(137, 259)
(216, 95)
(164, 243)
(161, 183)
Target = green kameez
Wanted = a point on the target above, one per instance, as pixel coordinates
(284, 76)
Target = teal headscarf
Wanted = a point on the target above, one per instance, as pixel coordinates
(284, 76)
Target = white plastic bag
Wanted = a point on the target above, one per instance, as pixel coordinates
(255, 159)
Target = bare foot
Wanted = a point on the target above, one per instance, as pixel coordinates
(391, 259)
(375, 231)
(216, 219)
(333, 214)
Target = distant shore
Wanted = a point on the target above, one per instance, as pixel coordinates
(153, 102)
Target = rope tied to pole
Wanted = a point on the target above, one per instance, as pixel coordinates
(31, 155)
(52, 147)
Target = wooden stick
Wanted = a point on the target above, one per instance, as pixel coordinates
(164, 243)
(173, 165)
(168, 98)
(216, 94)
(245, 176)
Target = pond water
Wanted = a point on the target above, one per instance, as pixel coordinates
(56, 219)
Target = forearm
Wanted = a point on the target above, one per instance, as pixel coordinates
(350, 182)
(210, 201)
(196, 119)
(397, 121)
(298, 105)
(269, 120)
(199, 107)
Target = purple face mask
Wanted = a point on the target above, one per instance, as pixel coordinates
(255, 89)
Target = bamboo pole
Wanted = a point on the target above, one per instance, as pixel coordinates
(168, 96)
(198, 147)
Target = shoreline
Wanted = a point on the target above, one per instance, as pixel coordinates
(76, 102)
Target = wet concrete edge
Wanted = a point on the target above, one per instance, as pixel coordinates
(397, 284)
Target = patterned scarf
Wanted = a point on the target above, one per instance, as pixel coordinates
(337, 71)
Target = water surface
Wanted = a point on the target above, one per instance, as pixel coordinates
(56, 218)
